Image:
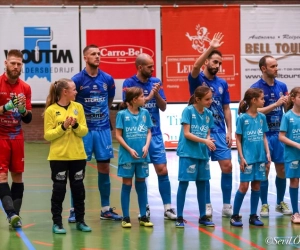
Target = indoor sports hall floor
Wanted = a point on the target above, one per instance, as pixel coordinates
(36, 232)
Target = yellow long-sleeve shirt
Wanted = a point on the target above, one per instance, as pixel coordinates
(65, 144)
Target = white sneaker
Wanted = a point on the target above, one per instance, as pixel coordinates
(147, 213)
(209, 210)
(283, 208)
(227, 210)
(170, 214)
(264, 212)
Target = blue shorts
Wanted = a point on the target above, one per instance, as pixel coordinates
(292, 169)
(254, 172)
(276, 148)
(191, 169)
(139, 169)
(98, 142)
(222, 151)
(157, 150)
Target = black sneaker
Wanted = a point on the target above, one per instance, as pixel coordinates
(206, 221)
(144, 221)
(126, 222)
(255, 221)
(180, 222)
(236, 220)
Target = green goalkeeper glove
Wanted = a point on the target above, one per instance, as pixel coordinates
(13, 102)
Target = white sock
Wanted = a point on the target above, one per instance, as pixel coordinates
(167, 206)
(104, 209)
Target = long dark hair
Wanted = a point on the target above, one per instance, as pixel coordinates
(131, 93)
(200, 92)
(249, 95)
(293, 94)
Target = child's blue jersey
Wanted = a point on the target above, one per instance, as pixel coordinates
(199, 126)
(93, 94)
(151, 105)
(290, 123)
(252, 131)
(219, 88)
(135, 130)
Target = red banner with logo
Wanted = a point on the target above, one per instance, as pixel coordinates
(187, 32)
(119, 49)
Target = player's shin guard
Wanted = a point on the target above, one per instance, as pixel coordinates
(5, 196)
(58, 196)
(78, 193)
(17, 190)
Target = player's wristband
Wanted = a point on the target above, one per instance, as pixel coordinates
(4, 109)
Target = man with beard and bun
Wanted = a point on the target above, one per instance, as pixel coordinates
(276, 97)
(15, 106)
(96, 91)
(212, 60)
(155, 100)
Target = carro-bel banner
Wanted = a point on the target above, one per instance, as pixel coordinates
(122, 33)
(187, 32)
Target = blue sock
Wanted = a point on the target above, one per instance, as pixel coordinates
(207, 192)
(125, 199)
(280, 186)
(226, 186)
(201, 197)
(140, 187)
(294, 199)
(104, 188)
(238, 200)
(146, 193)
(264, 185)
(254, 198)
(164, 187)
(182, 187)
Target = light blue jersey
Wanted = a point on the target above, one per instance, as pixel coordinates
(151, 105)
(219, 88)
(290, 124)
(199, 126)
(252, 131)
(135, 129)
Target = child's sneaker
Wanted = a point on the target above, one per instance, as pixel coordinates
(170, 214)
(110, 215)
(283, 208)
(147, 213)
(227, 210)
(236, 221)
(255, 221)
(205, 221)
(14, 220)
(264, 212)
(71, 218)
(126, 222)
(58, 229)
(180, 222)
(295, 218)
(144, 221)
(209, 210)
(81, 226)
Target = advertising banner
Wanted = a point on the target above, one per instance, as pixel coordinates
(270, 30)
(187, 32)
(122, 33)
(170, 121)
(48, 37)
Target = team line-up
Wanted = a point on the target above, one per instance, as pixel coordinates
(77, 125)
